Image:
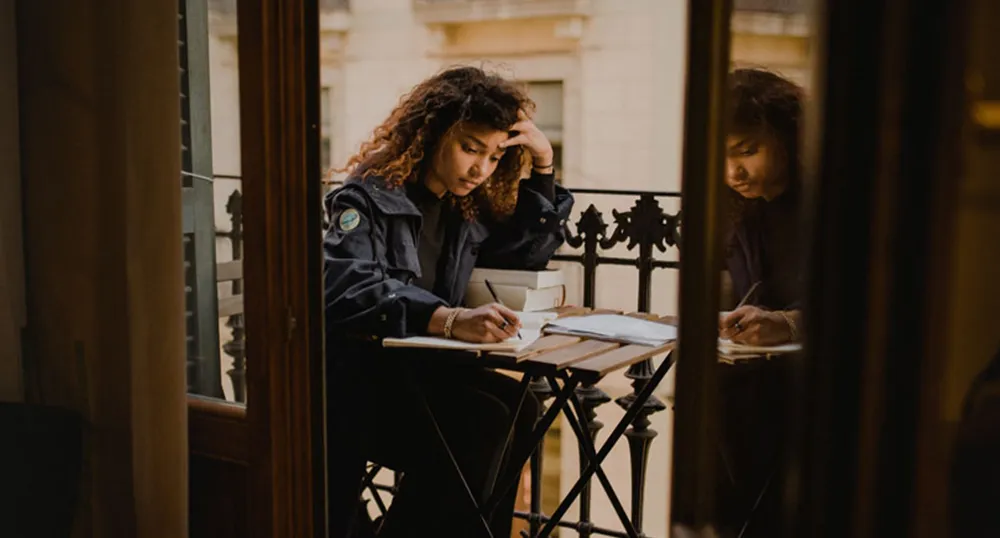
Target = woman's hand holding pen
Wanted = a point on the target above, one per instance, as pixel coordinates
(485, 324)
(755, 326)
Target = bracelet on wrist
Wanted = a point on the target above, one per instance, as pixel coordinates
(793, 329)
(450, 321)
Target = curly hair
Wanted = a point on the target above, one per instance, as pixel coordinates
(400, 149)
(764, 105)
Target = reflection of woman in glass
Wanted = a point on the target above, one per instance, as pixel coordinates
(762, 172)
(763, 258)
(975, 471)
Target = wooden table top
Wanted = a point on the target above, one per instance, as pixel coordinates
(589, 358)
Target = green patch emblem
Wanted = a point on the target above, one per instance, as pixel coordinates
(349, 219)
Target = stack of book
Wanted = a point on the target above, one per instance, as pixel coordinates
(522, 291)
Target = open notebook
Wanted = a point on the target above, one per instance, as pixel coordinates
(531, 325)
(615, 328)
(728, 347)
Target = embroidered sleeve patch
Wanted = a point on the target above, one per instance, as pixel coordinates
(349, 219)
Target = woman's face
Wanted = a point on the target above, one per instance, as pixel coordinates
(755, 167)
(466, 157)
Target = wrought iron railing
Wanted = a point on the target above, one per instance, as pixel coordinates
(646, 229)
(235, 345)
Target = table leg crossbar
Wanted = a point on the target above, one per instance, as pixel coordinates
(511, 477)
(596, 459)
(591, 455)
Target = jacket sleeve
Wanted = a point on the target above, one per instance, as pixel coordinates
(530, 237)
(361, 300)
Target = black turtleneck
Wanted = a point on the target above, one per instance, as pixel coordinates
(432, 233)
(767, 247)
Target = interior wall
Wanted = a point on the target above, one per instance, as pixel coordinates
(11, 251)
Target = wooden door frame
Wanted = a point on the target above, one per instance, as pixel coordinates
(280, 434)
(696, 415)
(279, 127)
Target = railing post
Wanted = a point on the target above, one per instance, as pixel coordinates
(542, 390)
(649, 216)
(590, 233)
(640, 435)
(590, 397)
(236, 348)
(647, 226)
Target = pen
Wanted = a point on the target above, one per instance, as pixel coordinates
(496, 298)
(749, 293)
(739, 328)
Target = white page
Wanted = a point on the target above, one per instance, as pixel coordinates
(531, 323)
(728, 346)
(616, 327)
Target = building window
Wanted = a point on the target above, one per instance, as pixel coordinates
(548, 98)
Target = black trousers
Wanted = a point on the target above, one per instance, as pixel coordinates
(380, 416)
(754, 403)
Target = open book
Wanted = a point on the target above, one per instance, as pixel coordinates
(531, 328)
(614, 328)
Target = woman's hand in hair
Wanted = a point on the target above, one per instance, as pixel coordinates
(532, 139)
(755, 326)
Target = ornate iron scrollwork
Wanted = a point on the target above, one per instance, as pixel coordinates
(645, 224)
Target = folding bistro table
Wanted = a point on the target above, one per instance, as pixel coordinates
(566, 362)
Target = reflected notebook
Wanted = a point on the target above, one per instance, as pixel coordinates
(728, 347)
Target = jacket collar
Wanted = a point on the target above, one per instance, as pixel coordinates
(387, 199)
(391, 200)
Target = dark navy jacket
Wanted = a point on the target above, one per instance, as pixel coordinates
(766, 247)
(369, 269)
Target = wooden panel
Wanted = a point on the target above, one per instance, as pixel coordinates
(543, 344)
(218, 498)
(283, 267)
(669, 319)
(563, 357)
(218, 429)
(616, 359)
(227, 271)
(104, 333)
(229, 306)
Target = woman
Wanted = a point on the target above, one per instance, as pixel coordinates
(762, 171)
(436, 191)
(763, 260)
